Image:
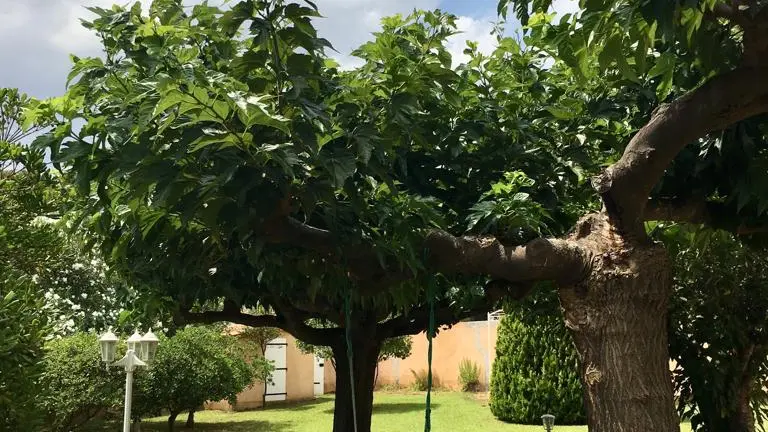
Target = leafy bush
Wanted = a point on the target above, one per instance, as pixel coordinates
(196, 365)
(420, 380)
(23, 329)
(535, 371)
(469, 376)
(78, 386)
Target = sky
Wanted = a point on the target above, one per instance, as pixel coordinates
(37, 36)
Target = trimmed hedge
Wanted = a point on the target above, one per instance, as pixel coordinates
(535, 371)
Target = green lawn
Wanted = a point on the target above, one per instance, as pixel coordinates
(392, 412)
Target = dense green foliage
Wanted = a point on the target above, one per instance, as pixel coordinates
(196, 365)
(718, 328)
(77, 386)
(535, 371)
(25, 320)
(397, 347)
(469, 375)
(23, 330)
(212, 135)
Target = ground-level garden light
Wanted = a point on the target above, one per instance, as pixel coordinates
(141, 351)
(549, 422)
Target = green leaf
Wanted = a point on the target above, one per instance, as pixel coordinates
(254, 110)
(665, 68)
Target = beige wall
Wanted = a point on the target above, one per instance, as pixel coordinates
(468, 340)
(299, 380)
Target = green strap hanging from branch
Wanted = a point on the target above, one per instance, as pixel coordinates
(348, 331)
(430, 336)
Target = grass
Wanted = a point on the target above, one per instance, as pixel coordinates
(392, 412)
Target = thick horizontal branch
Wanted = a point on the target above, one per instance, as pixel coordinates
(298, 330)
(728, 12)
(722, 101)
(539, 260)
(714, 215)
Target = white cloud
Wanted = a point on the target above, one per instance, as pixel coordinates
(72, 37)
(562, 7)
(476, 30)
(349, 23)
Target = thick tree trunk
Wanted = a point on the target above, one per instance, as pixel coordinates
(190, 420)
(366, 353)
(618, 318)
(742, 420)
(172, 420)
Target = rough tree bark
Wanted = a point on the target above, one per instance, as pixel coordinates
(618, 319)
(365, 348)
(172, 420)
(190, 424)
(743, 420)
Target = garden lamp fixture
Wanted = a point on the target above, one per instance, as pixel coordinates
(549, 422)
(108, 346)
(149, 343)
(134, 343)
(141, 351)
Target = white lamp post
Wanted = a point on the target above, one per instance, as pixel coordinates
(140, 352)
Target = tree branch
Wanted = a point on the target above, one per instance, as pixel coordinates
(541, 259)
(723, 100)
(728, 12)
(298, 330)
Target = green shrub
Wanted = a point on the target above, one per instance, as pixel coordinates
(23, 329)
(535, 371)
(77, 384)
(469, 376)
(196, 365)
(420, 380)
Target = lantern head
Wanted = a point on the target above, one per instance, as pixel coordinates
(149, 345)
(108, 346)
(134, 343)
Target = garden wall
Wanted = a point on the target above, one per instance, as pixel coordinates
(468, 340)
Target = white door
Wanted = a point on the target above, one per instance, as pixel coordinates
(319, 376)
(276, 353)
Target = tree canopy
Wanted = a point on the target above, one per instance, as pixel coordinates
(225, 159)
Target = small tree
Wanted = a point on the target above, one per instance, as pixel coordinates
(77, 385)
(196, 365)
(258, 337)
(719, 329)
(535, 371)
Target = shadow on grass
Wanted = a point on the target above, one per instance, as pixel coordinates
(296, 406)
(225, 426)
(395, 408)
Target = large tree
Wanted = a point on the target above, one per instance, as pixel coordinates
(224, 159)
